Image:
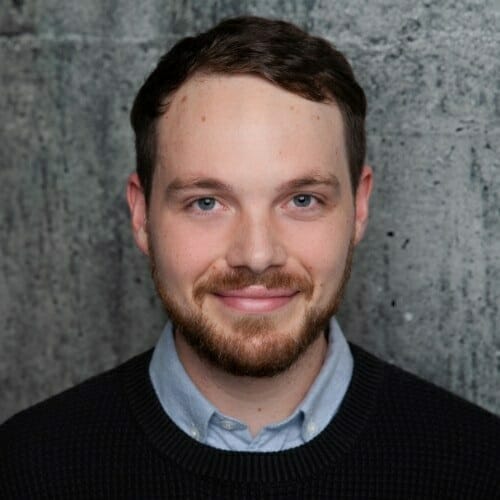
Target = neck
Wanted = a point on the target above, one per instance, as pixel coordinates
(256, 401)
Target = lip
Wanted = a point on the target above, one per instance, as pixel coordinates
(256, 299)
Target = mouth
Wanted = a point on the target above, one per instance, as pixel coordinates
(256, 299)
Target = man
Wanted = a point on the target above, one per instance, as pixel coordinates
(250, 195)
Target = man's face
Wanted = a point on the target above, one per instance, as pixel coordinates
(251, 221)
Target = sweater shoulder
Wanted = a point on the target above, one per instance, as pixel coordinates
(404, 393)
(93, 406)
(411, 393)
(429, 424)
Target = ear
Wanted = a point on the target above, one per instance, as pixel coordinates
(138, 212)
(361, 202)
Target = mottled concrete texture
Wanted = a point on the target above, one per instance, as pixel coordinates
(75, 295)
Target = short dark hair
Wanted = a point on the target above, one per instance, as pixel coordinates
(277, 51)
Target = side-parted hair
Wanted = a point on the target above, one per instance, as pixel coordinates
(277, 51)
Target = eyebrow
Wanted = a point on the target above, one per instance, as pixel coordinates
(178, 185)
(330, 180)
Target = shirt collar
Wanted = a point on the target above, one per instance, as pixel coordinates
(192, 412)
(179, 397)
(328, 389)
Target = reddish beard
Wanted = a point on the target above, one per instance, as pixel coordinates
(257, 347)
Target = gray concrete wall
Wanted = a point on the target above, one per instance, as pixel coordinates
(75, 295)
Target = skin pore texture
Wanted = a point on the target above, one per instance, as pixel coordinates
(250, 230)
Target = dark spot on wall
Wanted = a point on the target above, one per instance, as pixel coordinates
(393, 303)
(405, 243)
(390, 234)
(475, 167)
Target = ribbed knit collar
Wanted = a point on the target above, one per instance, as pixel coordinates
(306, 460)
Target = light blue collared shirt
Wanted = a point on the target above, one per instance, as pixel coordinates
(196, 416)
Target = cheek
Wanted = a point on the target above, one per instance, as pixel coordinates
(322, 245)
(322, 251)
(183, 254)
(325, 259)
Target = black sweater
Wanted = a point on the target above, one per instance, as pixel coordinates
(395, 436)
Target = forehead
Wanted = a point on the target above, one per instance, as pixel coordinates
(242, 122)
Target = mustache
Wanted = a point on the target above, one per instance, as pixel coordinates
(241, 278)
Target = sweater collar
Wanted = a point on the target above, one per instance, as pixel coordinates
(322, 452)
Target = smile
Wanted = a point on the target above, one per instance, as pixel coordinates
(256, 299)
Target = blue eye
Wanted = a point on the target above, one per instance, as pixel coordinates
(205, 203)
(302, 200)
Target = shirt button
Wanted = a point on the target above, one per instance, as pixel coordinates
(195, 433)
(311, 428)
(228, 425)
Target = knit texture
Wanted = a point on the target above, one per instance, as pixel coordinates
(395, 436)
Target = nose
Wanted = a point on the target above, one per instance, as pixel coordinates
(256, 245)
